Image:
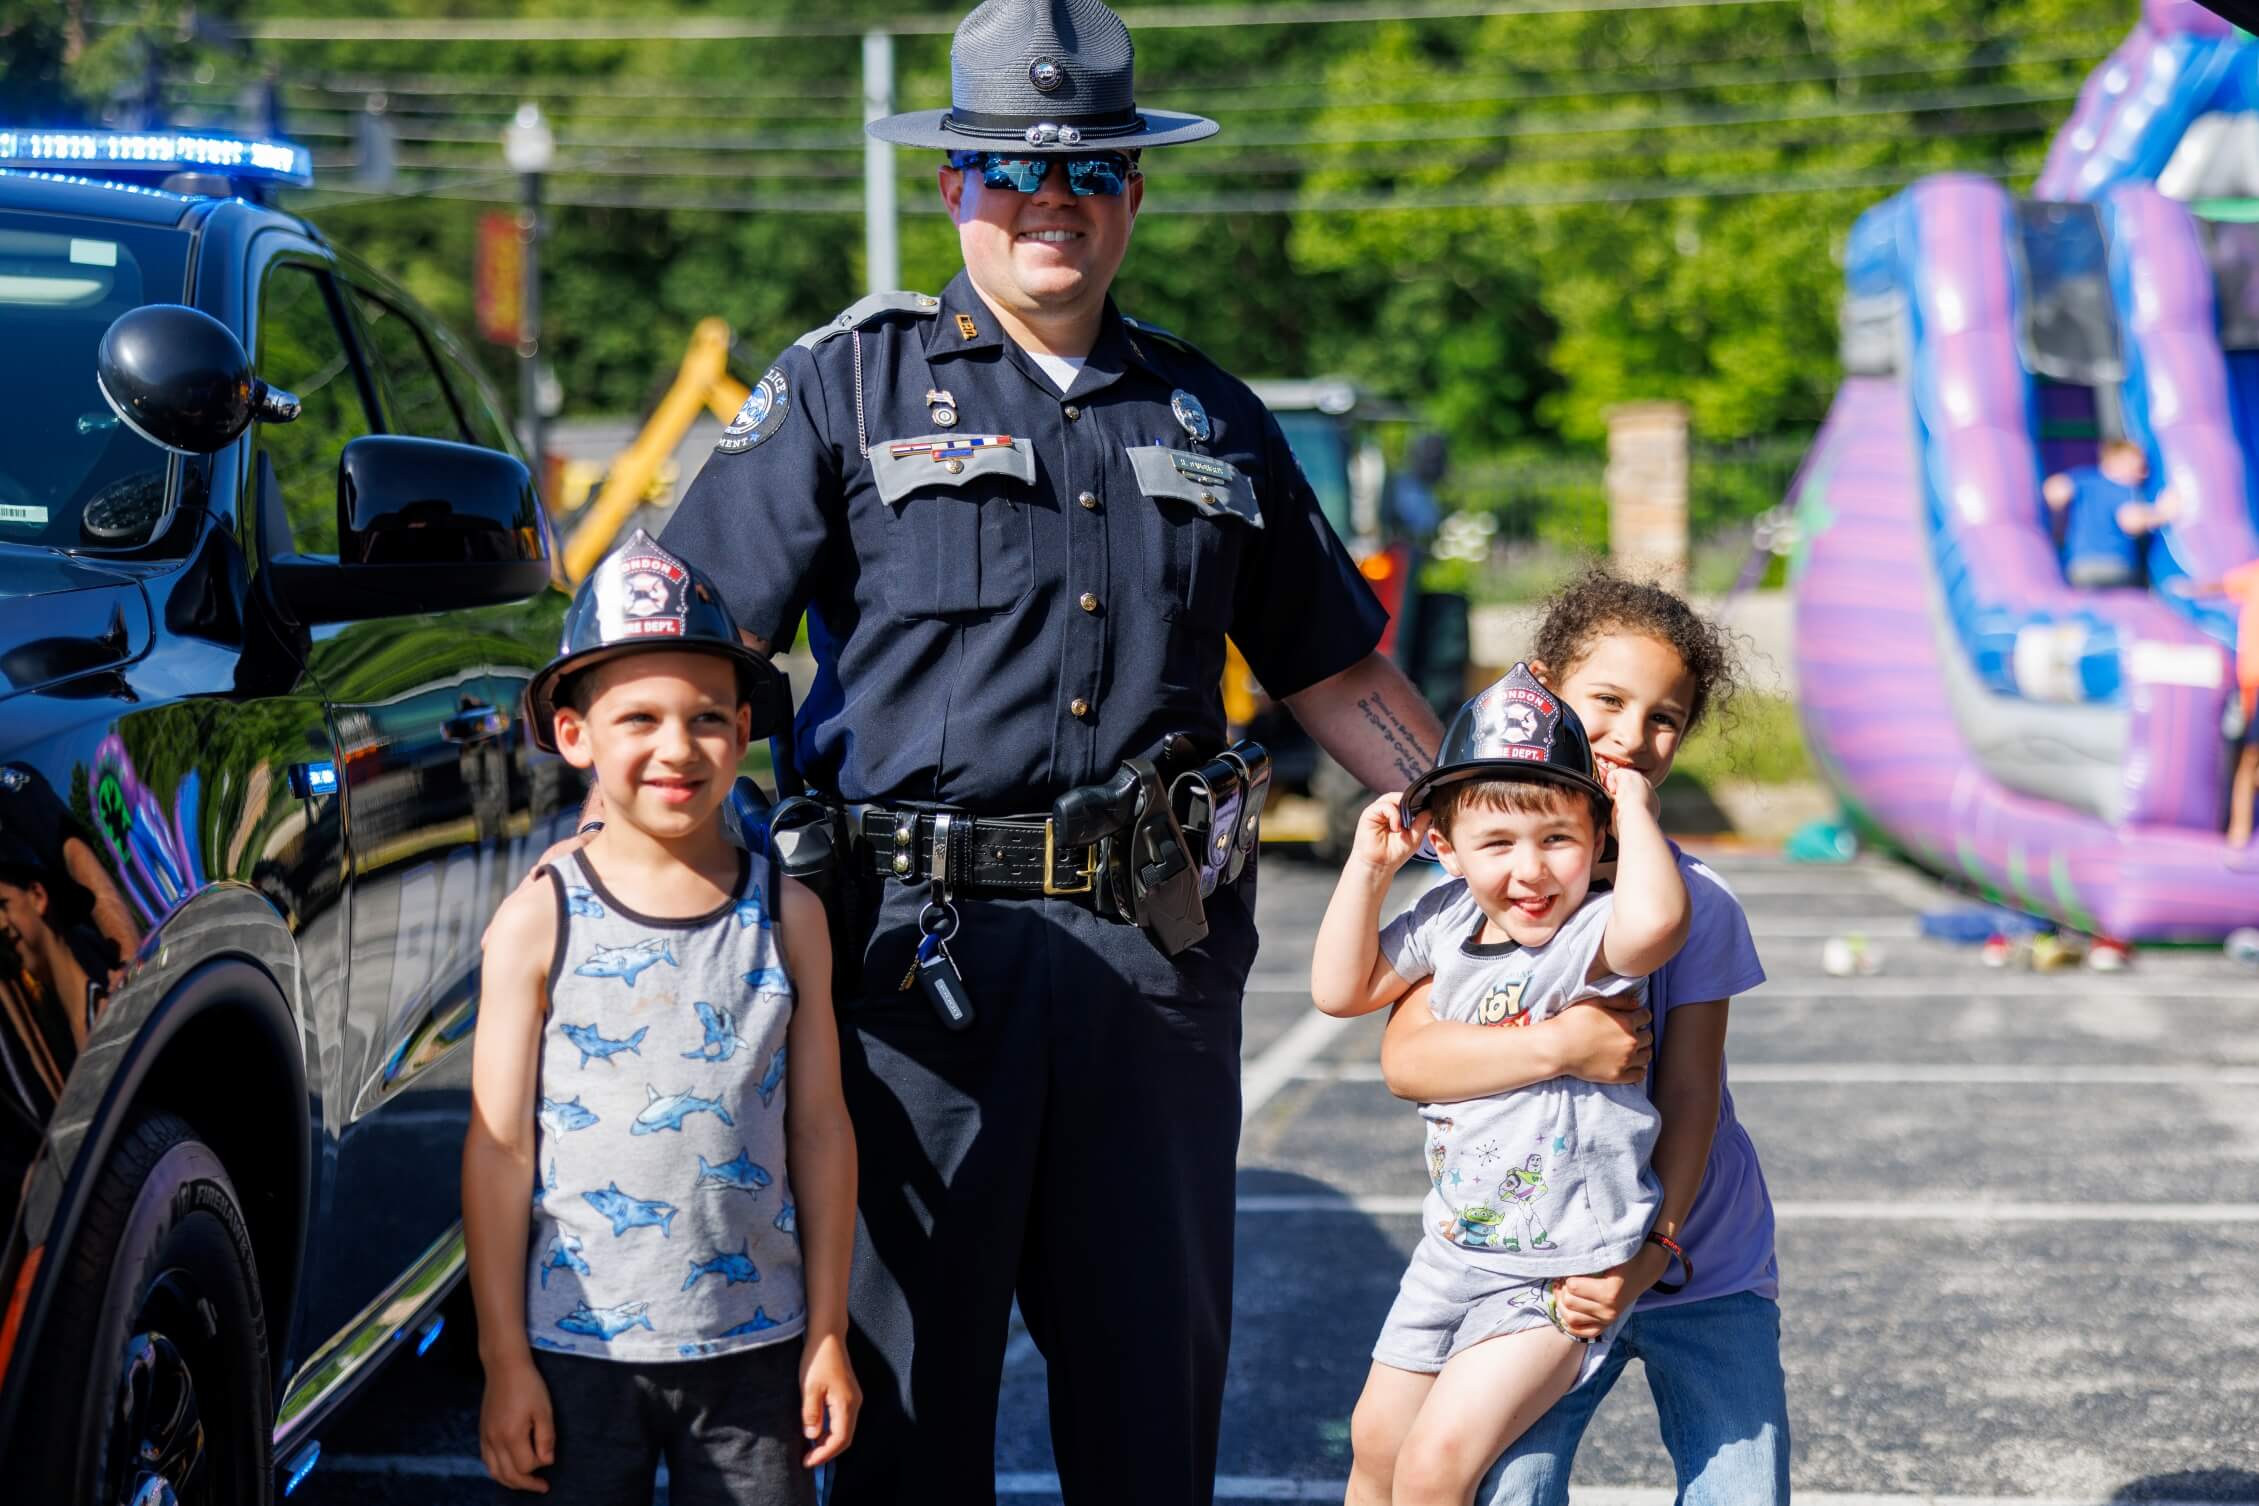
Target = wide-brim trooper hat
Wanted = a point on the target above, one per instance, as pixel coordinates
(640, 600)
(1517, 729)
(1041, 76)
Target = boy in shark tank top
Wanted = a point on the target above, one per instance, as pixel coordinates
(659, 1180)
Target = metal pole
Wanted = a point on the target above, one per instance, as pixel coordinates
(882, 260)
(529, 323)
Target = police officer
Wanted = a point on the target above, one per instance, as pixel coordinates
(1018, 526)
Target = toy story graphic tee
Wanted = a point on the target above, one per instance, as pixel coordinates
(1550, 1179)
(662, 1220)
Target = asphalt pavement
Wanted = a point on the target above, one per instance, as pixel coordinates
(2018, 1230)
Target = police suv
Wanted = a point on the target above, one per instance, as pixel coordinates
(272, 578)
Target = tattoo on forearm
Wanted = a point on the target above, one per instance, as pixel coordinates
(1411, 759)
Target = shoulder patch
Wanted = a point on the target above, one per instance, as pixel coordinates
(863, 311)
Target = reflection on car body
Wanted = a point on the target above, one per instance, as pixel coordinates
(262, 780)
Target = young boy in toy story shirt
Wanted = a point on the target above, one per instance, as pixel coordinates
(1533, 1185)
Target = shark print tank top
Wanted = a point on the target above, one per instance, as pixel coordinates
(662, 1219)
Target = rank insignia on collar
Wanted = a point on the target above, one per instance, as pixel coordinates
(967, 328)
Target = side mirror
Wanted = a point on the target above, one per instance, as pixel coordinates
(423, 525)
(179, 378)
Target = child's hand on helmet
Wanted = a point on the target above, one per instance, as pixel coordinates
(1382, 841)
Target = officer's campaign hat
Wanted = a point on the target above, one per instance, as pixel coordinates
(643, 599)
(1517, 729)
(1041, 76)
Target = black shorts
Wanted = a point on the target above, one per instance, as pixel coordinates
(728, 1427)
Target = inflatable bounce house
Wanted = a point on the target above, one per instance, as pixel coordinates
(2066, 751)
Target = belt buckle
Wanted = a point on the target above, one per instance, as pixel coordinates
(1088, 872)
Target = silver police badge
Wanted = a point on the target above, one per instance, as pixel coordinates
(1190, 415)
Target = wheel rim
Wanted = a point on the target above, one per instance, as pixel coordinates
(157, 1432)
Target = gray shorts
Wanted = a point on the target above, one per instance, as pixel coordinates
(1446, 1305)
(728, 1427)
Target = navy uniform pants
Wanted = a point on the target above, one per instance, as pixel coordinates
(1073, 1148)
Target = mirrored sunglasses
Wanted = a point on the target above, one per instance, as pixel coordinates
(1102, 173)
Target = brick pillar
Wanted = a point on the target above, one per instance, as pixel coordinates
(1647, 485)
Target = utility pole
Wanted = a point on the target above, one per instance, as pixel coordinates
(882, 260)
(530, 148)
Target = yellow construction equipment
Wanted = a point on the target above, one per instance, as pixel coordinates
(702, 382)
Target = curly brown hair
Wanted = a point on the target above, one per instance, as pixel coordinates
(1601, 602)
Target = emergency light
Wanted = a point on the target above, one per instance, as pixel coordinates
(98, 152)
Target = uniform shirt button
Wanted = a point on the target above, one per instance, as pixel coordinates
(1072, 412)
(1079, 706)
(1089, 500)
(1088, 602)
(953, 467)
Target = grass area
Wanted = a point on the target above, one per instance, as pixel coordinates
(1754, 739)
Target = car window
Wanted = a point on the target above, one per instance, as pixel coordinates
(480, 410)
(303, 351)
(71, 475)
(417, 401)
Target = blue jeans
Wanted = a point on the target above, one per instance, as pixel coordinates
(1715, 1370)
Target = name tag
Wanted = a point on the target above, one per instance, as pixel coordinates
(1216, 488)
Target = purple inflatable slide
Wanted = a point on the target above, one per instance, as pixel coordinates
(2064, 750)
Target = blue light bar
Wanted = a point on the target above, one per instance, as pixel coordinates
(157, 152)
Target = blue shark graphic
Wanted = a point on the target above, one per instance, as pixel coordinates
(769, 980)
(667, 1111)
(722, 1039)
(593, 1044)
(770, 1080)
(543, 1341)
(607, 1323)
(583, 902)
(542, 1189)
(787, 1222)
(741, 1175)
(628, 963)
(753, 910)
(755, 1324)
(734, 1267)
(700, 1349)
(632, 1212)
(564, 1118)
(563, 1254)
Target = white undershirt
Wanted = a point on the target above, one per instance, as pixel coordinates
(1061, 369)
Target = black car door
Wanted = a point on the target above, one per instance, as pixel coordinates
(444, 812)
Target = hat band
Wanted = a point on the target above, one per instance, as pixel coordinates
(1016, 127)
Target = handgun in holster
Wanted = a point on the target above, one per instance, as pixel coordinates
(1146, 875)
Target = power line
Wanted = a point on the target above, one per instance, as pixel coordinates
(1210, 165)
(731, 29)
(1986, 97)
(1557, 195)
(1502, 92)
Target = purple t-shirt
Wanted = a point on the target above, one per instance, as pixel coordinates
(1729, 1231)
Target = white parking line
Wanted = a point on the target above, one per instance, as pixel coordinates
(1899, 1214)
(1280, 1488)
(2057, 987)
(1867, 1074)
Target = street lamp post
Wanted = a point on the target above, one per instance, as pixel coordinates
(529, 148)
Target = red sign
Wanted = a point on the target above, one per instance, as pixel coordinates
(499, 278)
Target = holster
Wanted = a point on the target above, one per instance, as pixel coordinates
(1149, 871)
(1219, 805)
(808, 841)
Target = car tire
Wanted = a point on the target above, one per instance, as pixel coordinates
(154, 1356)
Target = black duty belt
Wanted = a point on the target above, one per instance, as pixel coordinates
(980, 854)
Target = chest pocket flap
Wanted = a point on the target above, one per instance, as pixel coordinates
(1217, 488)
(901, 466)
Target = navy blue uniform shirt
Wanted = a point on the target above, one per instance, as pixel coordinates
(1012, 604)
